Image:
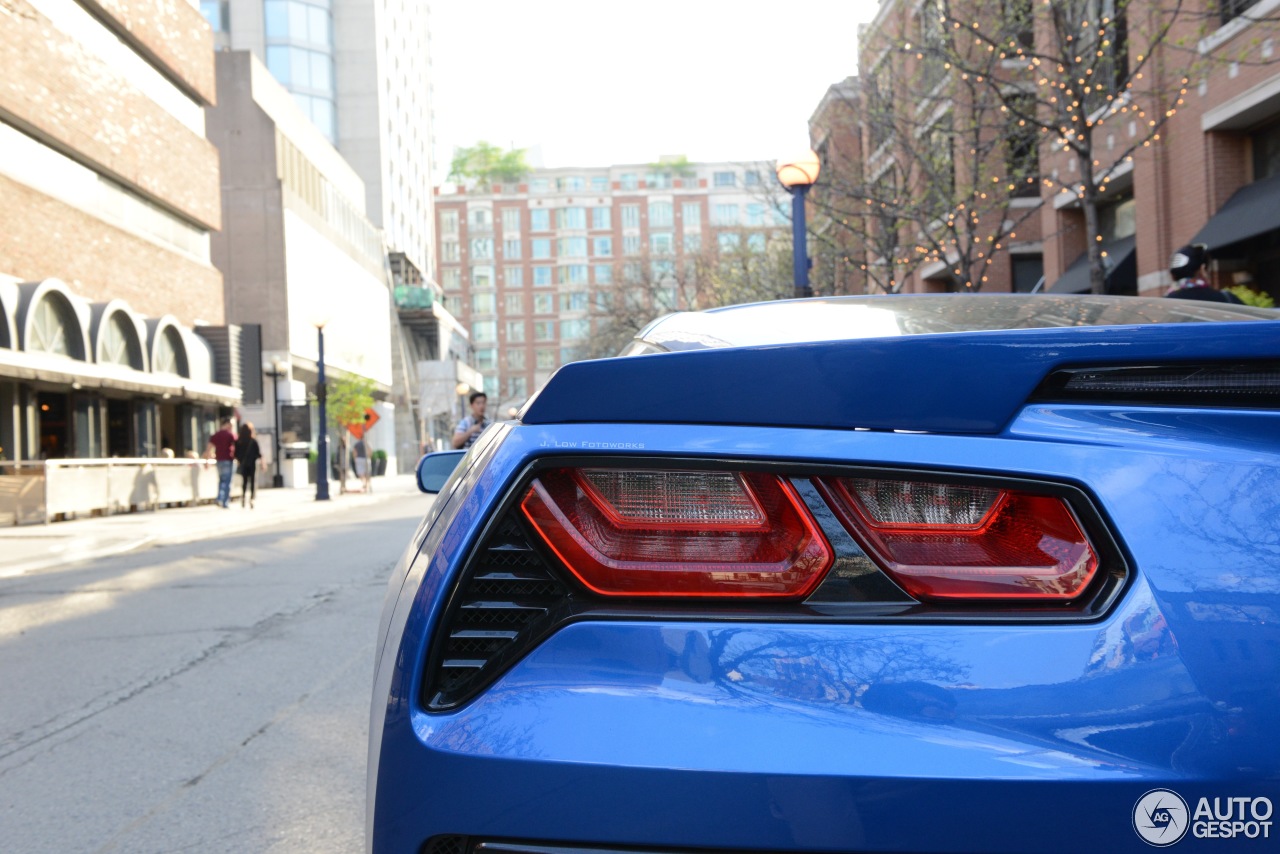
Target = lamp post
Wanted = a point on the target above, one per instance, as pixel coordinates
(462, 390)
(322, 443)
(798, 175)
(276, 372)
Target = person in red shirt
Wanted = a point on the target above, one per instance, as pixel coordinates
(222, 448)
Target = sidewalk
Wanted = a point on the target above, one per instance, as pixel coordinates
(30, 548)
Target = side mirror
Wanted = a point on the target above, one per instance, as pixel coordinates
(434, 470)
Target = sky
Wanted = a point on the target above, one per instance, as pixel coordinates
(603, 82)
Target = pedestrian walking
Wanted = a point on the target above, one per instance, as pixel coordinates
(360, 454)
(248, 459)
(222, 449)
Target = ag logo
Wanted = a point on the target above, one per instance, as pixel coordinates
(1160, 817)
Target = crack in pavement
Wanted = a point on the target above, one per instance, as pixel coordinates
(110, 700)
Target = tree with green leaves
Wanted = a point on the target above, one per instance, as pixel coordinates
(488, 164)
(347, 399)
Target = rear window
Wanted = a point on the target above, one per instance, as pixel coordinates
(844, 318)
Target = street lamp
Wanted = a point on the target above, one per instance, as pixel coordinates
(798, 175)
(322, 444)
(462, 389)
(276, 372)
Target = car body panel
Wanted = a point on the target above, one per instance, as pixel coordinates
(683, 732)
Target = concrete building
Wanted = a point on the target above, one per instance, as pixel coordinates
(539, 270)
(360, 71)
(296, 249)
(109, 193)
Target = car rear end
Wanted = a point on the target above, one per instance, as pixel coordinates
(978, 591)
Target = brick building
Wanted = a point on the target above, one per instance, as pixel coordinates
(538, 271)
(109, 189)
(1209, 176)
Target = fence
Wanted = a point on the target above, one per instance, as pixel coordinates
(39, 492)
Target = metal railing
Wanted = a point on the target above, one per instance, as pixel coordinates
(40, 492)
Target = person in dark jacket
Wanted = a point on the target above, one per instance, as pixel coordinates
(1189, 268)
(248, 459)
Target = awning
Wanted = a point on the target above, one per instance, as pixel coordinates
(16, 364)
(1252, 210)
(1122, 271)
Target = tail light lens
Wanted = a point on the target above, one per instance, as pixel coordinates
(955, 542)
(679, 533)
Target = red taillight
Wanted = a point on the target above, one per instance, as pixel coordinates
(645, 532)
(949, 542)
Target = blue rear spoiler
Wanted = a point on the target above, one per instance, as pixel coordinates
(959, 382)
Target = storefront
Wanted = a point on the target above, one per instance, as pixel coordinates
(81, 380)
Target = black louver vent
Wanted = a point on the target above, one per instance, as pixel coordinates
(446, 845)
(504, 601)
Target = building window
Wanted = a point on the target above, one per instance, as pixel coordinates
(691, 213)
(755, 214)
(539, 219)
(1266, 152)
(1023, 155)
(544, 330)
(631, 244)
(573, 301)
(1232, 9)
(603, 274)
(453, 305)
(544, 303)
(573, 274)
(755, 242)
(481, 277)
(515, 331)
(481, 249)
(539, 185)
(541, 276)
(217, 14)
(539, 248)
(692, 243)
(484, 331)
(629, 181)
(448, 222)
(484, 303)
(482, 218)
(511, 248)
(600, 183)
(1028, 270)
(604, 301)
(518, 387)
(630, 216)
(571, 218)
(729, 241)
(601, 218)
(571, 247)
(751, 178)
(545, 359)
(723, 179)
(661, 243)
(486, 359)
(449, 250)
(725, 215)
(665, 298)
(660, 214)
(513, 304)
(516, 358)
(575, 330)
(514, 276)
(510, 220)
(602, 247)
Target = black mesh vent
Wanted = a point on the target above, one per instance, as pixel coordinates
(501, 606)
(446, 845)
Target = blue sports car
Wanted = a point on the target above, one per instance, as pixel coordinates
(914, 573)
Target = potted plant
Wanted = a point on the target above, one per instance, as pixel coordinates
(379, 460)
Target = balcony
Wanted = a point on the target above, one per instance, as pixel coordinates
(412, 298)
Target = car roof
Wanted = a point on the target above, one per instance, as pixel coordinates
(883, 316)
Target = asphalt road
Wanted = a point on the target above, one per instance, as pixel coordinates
(208, 697)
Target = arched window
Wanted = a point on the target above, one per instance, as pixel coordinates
(171, 356)
(119, 345)
(54, 328)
